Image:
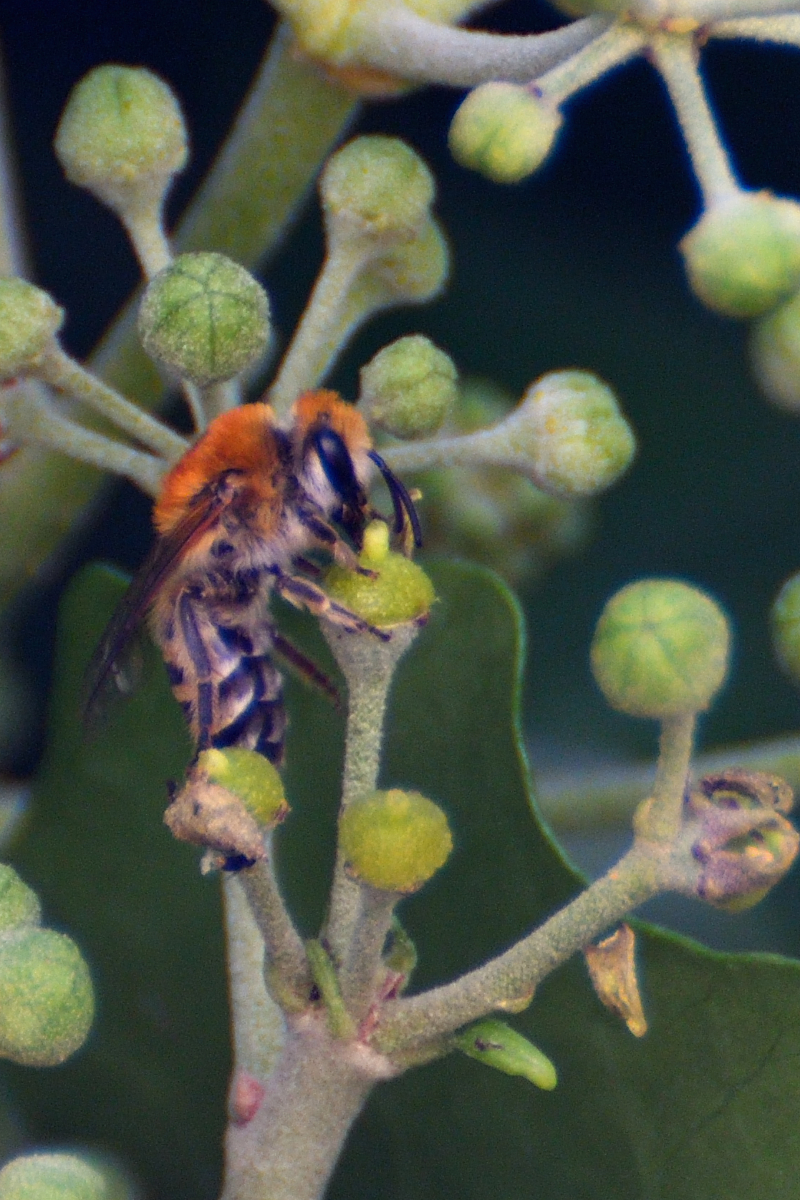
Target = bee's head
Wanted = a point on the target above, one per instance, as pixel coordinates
(332, 454)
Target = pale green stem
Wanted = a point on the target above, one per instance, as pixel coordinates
(642, 873)
(785, 29)
(702, 12)
(62, 372)
(257, 1022)
(365, 955)
(660, 816)
(30, 417)
(13, 254)
(221, 397)
(463, 450)
(340, 1023)
(287, 973)
(144, 226)
(397, 40)
(611, 49)
(675, 56)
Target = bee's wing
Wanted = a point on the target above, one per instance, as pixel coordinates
(107, 666)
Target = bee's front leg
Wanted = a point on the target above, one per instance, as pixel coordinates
(306, 595)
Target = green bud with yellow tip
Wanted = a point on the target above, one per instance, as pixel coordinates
(775, 353)
(743, 255)
(394, 840)
(48, 1176)
(400, 591)
(498, 1045)
(249, 776)
(122, 136)
(29, 320)
(376, 186)
(409, 387)
(660, 649)
(46, 999)
(503, 131)
(205, 318)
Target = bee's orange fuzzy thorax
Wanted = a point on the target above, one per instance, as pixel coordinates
(329, 408)
(237, 440)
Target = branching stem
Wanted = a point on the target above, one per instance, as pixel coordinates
(614, 47)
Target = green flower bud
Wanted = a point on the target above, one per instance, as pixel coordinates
(504, 131)
(19, 904)
(409, 387)
(415, 271)
(660, 649)
(29, 320)
(498, 1045)
(743, 255)
(400, 591)
(251, 777)
(394, 840)
(205, 317)
(122, 136)
(376, 186)
(52, 1177)
(786, 627)
(775, 352)
(46, 1000)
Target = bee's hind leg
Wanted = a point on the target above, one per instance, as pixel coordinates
(304, 594)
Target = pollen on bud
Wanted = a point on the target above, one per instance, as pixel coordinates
(743, 255)
(48, 1176)
(122, 135)
(395, 840)
(19, 904)
(497, 1045)
(775, 353)
(503, 131)
(378, 186)
(409, 387)
(29, 320)
(251, 777)
(399, 592)
(660, 648)
(46, 998)
(205, 317)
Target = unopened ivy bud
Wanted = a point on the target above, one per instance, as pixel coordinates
(19, 904)
(376, 186)
(786, 627)
(504, 131)
(52, 1177)
(743, 255)
(395, 840)
(46, 999)
(205, 317)
(660, 648)
(251, 777)
(409, 387)
(775, 352)
(498, 1045)
(399, 592)
(29, 320)
(417, 270)
(122, 136)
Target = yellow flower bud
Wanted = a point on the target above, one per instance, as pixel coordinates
(394, 840)
(399, 593)
(503, 131)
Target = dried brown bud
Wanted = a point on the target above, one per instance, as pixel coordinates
(612, 968)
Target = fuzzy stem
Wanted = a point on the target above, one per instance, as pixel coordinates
(461, 450)
(610, 50)
(257, 1022)
(286, 968)
(365, 953)
(340, 1023)
(676, 59)
(410, 46)
(785, 29)
(659, 818)
(144, 226)
(702, 12)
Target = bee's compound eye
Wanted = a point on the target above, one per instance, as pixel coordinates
(337, 464)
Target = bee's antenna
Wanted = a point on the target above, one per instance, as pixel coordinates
(401, 501)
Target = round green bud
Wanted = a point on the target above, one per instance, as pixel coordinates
(399, 592)
(416, 271)
(743, 255)
(775, 352)
(497, 1045)
(19, 904)
(378, 186)
(394, 840)
(205, 317)
(660, 649)
(786, 627)
(121, 135)
(52, 1177)
(251, 777)
(409, 387)
(503, 131)
(29, 320)
(46, 999)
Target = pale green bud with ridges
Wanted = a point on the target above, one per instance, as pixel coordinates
(52, 1177)
(46, 999)
(415, 271)
(503, 131)
(409, 387)
(19, 904)
(205, 317)
(249, 776)
(378, 187)
(394, 840)
(660, 649)
(29, 320)
(122, 136)
(775, 351)
(497, 1045)
(400, 591)
(743, 255)
(786, 627)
